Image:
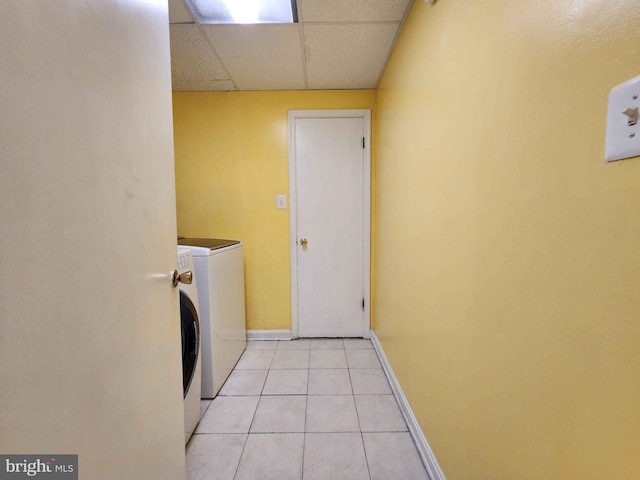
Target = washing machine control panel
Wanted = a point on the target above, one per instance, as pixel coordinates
(185, 261)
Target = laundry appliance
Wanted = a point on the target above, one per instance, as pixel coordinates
(219, 267)
(191, 335)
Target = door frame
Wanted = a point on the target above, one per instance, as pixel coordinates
(366, 202)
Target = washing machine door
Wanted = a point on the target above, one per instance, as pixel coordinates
(190, 340)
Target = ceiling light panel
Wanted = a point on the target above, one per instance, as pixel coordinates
(243, 11)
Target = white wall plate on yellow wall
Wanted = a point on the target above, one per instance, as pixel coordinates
(623, 129)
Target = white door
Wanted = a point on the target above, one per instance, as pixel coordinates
(330, 178)
(90, 351)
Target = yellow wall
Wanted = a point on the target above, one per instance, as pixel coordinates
(508, 267)
(231, 162)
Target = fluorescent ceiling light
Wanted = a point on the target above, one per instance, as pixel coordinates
(244, 11)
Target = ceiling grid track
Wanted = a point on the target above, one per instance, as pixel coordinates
(218, 56)
(336, 45)
(210, 43)
(303, 49)
(395, 39)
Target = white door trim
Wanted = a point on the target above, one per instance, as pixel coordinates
(366, 234)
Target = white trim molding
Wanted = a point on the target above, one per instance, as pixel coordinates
(269, 335)
(426, 454)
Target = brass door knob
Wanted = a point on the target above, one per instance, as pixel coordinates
(303, 242)
(184, 277)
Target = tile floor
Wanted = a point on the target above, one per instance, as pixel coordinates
(318, 409)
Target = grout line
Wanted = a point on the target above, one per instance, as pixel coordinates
(244, 445)
(307, 395)
(304, 428)
(273, 357)
(253, 418)
(366, 458)
(264, 384)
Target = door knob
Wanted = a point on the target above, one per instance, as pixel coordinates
(303, 242)
(184, 277)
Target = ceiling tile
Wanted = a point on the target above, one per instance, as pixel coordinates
(178, 13)
(194, 66)
(351, 10)
(347, 56)
(223, 86)
(260, 57)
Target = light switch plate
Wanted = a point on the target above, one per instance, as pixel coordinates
(281, 201)
(623, 140)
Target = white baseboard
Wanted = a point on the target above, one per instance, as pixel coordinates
(426, 454)
(269, 335)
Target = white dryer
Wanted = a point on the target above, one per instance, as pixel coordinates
(219, 267)
(191, 349)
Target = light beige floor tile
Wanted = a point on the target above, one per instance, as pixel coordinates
(244, 382)
(293, 344)
(327, 359)
(357, 343)
(335, 456)
(362, 358)
(214, 456)
(290, 359)
(393, 456)
(369, 381)
(228, 415)
(333, 381)
(331, 413)
(204, 404)
(255, 360)
(284, 411)
(280, 414)
(286, 382)
(262, 344)
(273, 456)
(379, 413)
(327, 344)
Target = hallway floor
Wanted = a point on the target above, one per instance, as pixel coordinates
(318, 409)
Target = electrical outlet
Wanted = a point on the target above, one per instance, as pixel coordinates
(623, 129)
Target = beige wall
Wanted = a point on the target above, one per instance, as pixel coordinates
(231, 162)
(508, 266)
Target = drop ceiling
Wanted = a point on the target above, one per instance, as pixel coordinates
(336, 44)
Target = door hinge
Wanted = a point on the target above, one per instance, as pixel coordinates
(362, 142)
(363, 304)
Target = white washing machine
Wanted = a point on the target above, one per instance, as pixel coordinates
(191, 348)
(219, 266)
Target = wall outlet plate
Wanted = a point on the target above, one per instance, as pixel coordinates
(623, 138)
